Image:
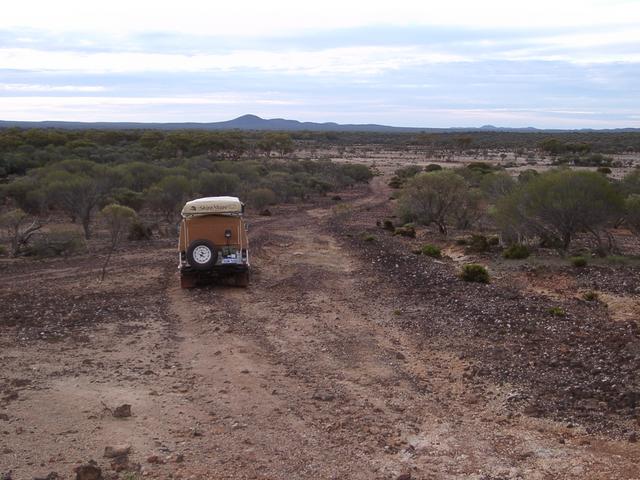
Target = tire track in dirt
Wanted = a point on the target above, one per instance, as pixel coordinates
(333, 389)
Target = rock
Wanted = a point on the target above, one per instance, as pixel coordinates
(51, 476)
(265, 213)
(4, 417)
(122, 411)
(6, 476)
(89, 471)
(179, 458)
(117, 451)
(155, 459)
(633, 438)
(404, 476)
(323, 395)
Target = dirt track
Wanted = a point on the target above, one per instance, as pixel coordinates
(306, 374)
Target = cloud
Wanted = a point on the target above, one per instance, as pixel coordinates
(352, 60)
(281, 17)
(28, 87)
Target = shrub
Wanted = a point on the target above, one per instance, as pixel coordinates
(406, 231)
(473, 272)
(578, 262)
(431, 251)
(617, 260)
(493, 241)
(590, 296)
(462, 241)
(516, 251)
(432, 167)
(55, 244)
(259, 198)
(3, 250)
(395, 182)
(388, 225)
(557, 311)
(408, 171)
(139, 231)
(604, 170)
(559, 204)
(367, 237)
(436, 197)
(478, 243)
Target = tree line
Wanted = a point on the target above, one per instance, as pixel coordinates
(550, 208)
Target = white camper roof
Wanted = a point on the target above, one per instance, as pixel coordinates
(212, 206)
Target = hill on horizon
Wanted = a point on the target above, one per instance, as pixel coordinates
(254, 122)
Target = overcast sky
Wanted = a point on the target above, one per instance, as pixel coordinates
(560, 64)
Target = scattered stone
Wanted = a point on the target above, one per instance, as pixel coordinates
(323, 395)
(400, 356)
(117, 451)
(633, 438)
(122, 411)
(179, 458)
(155, 459)
(51, 476)
(89, 471)
(404, 476)
(6, 476)
(265, 213)
(4, 417)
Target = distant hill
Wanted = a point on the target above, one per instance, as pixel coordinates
(253, 122)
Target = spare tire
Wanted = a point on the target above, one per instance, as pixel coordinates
(201, 254)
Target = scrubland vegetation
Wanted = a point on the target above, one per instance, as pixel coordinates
(548, 209)
(76, 174)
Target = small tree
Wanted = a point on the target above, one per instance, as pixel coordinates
(119, 219)
(632, 208)
(20, 228)
(259, 198)
(433, 198)
(168, 195)
(556, 205)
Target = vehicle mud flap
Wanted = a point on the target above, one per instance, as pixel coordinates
(242, 279)
(187, 281)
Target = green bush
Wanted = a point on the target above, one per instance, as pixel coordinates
(408, 171)
(617, 259)
(367, 237)
(578, 262)
(516, 251)
(590, 296)
(55, 244)
(139, 231)
(431, 251)
(388, 225)
(432, 167)
(478, 243)
(406, 231)
(473, 272)
(462, 241)
(259, 198)
(3, 250)
(557, 311)
(395, 182)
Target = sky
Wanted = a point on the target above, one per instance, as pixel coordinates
(453, 63)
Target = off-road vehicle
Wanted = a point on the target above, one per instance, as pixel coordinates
(213, 241)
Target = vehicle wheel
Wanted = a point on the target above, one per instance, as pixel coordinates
(187, 281)
(201, 254)
(242, 279)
